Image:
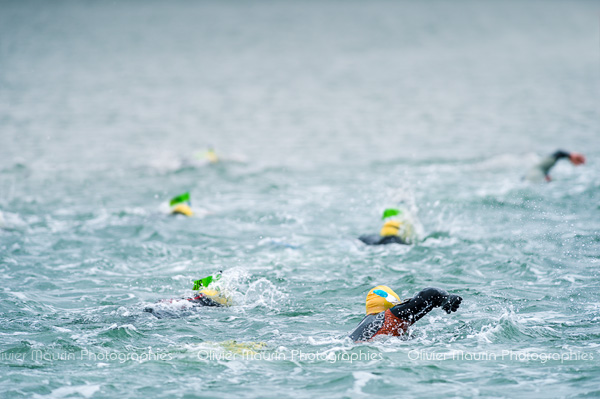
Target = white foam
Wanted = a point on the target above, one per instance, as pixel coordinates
(87, 391)
(361, 378)
(264, 293)
(19, 295)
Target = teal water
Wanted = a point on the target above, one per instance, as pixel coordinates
(323, 113)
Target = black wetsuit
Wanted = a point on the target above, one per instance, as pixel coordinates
(202, 300)
(395, 321)
(550, 161)
(376, 239)
(198, 300)
(542, 169)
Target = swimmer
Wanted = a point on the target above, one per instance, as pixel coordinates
(210, 155)
(387, 315)
(211, 294)
(208, 294)
(396, 230)
(542, 169)
(181, 205)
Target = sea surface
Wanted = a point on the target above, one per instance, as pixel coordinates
(323, 114)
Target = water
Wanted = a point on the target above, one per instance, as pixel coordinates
(324, 113)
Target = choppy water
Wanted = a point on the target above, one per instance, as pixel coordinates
(324, 113)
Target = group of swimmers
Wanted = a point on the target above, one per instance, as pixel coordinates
(386, 314)
(397, 230)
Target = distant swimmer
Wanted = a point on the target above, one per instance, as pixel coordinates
(542, 169)
(397, 229)
(211, 294)
(208, 294)
(387, 315)
(210, 155)
(181, 205)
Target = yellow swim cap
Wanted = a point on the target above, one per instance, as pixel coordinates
(377, 304)
(217, 296)
(212, 156)
(182, 209)
(390, 228)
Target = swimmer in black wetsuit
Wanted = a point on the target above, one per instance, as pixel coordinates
(395, 230)
(542, 169)
(376, 239)
(393, 318)
(210, 296)
(203, 298)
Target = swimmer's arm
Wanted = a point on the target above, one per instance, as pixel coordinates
(561, 154)
(548, 163)
(424, 302)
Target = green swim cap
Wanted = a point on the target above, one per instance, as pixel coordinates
(390, 212)
(205, 282)
(185, 197)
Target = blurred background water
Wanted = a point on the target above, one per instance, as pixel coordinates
(323, 114)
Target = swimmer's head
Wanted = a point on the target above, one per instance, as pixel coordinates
(390, 228)
(211, 155)
(576, 158)
(376, 304)
(181, 205)
(218, 296)
(182, 209)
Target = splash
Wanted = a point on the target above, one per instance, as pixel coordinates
(263, 293)
(411, 228)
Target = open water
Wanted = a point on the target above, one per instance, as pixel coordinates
(323, 114)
